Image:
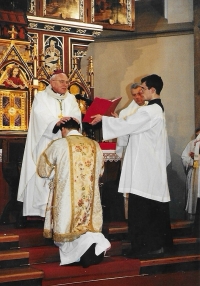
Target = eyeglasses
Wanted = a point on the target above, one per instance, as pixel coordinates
(61, 81)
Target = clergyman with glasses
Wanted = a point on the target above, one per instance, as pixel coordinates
(50, 108)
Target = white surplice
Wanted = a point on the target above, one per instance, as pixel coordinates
(147, 154)
(45, 112)
(122, 141)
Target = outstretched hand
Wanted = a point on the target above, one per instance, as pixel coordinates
(96, 119)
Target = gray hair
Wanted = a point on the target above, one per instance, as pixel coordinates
(135, 85)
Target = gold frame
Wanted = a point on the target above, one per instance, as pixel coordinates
(11, 109)
(119, 18)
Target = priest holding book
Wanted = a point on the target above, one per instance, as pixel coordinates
(144, 174)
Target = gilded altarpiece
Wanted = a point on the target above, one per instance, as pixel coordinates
(13, 110)
(25, 55)
(15, 84)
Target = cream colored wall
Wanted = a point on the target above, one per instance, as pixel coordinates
(120, 63)
(179, 11)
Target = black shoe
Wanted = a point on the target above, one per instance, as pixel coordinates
(157, 251)
(152, 254)
(90, 258)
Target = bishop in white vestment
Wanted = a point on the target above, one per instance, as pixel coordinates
(49, 108)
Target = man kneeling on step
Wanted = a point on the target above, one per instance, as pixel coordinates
(74, 212)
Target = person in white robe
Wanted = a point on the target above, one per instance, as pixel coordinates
(74, 212)
(190, 160)
(122, 141)
(50, 107)
(144, 174)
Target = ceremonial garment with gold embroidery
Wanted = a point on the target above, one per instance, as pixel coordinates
(74, 205)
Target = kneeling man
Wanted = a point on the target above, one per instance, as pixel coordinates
(74, 212)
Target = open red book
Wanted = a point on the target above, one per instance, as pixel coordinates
(101, 106)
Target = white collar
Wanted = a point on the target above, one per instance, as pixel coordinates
(54, 94)
(74, 132)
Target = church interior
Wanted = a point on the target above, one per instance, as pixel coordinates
(103, 47)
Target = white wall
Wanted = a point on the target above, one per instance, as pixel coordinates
(179, 11)
(120, 63)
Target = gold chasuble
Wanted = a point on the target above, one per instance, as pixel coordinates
(74, 205)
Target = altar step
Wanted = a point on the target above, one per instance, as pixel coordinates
(26, 258)
(21, 276)
(40, 265)
(120, 228)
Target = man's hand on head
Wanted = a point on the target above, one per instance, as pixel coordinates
(63, 120)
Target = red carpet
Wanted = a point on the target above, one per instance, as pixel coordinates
(109, 268)
(28, 237)
(169, 279)
(43, 254)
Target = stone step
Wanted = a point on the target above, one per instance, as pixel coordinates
(13, 258)
(22, 276)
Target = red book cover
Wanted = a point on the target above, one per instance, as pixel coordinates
(107, 145)
(101, 106)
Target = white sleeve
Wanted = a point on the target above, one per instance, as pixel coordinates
(135, 123)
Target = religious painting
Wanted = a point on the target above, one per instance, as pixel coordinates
(64, 9)
(12, 76)
(53, 53)
(13, 110)
(114, 14)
